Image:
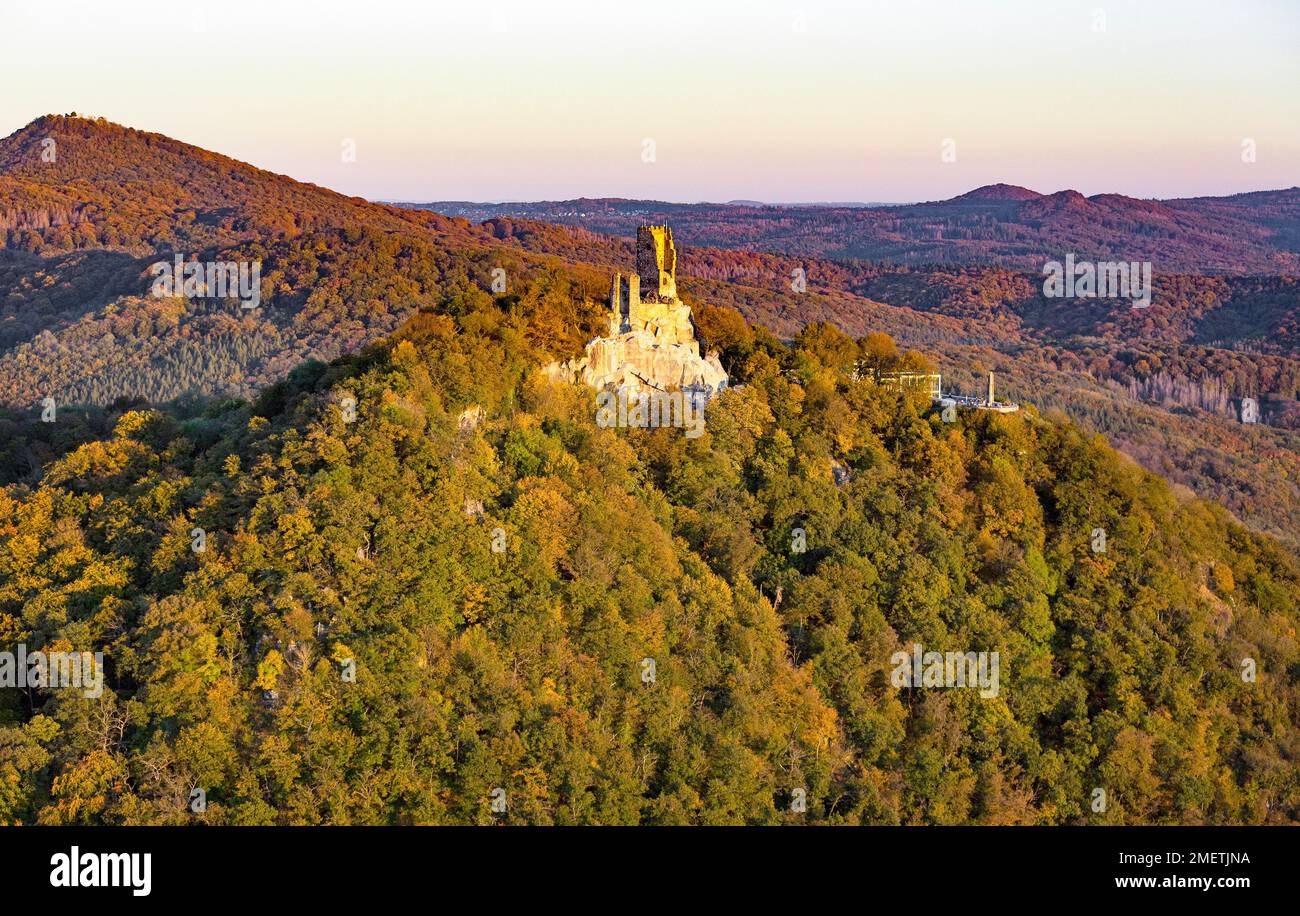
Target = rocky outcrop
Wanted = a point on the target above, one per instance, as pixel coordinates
(637, 360)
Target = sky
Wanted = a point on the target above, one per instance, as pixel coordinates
(870, 100)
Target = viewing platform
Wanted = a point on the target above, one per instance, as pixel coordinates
(932, 384)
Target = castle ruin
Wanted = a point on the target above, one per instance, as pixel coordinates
(650, 342)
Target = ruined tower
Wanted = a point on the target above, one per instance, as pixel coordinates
(623, 290)
(633, 284)
(616, 305)
(656, 263)
(651, 342)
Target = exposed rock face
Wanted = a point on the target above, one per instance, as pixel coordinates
(470, 418)
(651, 341)
(638, 360)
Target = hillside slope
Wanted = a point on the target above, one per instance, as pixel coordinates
(399, 615)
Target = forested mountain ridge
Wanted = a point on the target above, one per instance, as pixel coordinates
(328, 498)
(70, 183)
(997, 225)
(350, 516)
(77, 323)
(1248, 313)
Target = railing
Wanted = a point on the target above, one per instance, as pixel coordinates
(928, 380)
(962, 400)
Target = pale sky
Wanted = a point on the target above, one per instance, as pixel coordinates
(775, 101)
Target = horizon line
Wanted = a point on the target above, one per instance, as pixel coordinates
(848, 203)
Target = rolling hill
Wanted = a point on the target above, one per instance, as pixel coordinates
(352, 557)
(997, 225)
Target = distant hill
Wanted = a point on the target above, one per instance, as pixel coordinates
(997, 225)
(996, 192)
(72, 183)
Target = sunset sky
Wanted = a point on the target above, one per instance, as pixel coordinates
(777, 101)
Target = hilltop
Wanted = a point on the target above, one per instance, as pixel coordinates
(429, 579)
(78, 323)
(996, 192)
(103, 185)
